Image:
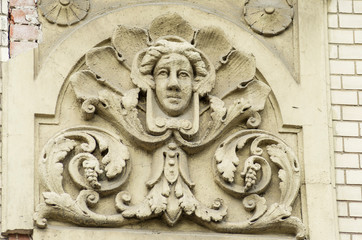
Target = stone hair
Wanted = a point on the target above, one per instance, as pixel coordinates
(162, 47)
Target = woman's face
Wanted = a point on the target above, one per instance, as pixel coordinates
(173, 77)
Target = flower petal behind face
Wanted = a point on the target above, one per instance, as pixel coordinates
(85, 85)
(213, 42)
(104, 62)
(171, 24)
(239, 68)
(129, 41)
(207, 83)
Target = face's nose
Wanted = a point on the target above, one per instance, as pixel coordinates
(173, 83)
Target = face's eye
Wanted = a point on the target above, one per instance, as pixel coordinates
(162, 73)
(183, 74)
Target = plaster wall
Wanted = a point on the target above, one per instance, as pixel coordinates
(345, 39)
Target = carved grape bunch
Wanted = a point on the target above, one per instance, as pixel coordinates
(250, 175)
(118, 84)
(88, 153)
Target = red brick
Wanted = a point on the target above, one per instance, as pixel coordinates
(24, 32)
(24, 16)
(22, 3)
(23, 237)
(17, 48)
(19, 237)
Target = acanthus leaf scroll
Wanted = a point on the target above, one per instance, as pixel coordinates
(169, 92)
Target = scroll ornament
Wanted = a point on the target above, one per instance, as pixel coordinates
(173, 91)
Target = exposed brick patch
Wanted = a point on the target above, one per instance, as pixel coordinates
(4, 29)
(22, 3)
(17, 48)
(19, 237)
(24, 16)
(25, 31)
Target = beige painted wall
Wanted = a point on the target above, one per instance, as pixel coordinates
(345, 42)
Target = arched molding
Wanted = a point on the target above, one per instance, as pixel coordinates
(73, 47)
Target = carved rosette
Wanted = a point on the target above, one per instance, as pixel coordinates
(268, 17)
(64, 12)
(171, 90)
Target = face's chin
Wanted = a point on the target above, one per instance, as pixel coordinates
(172, 105)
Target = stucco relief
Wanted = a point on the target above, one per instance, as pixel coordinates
(270, 17)
(64, 12)
(172, 91)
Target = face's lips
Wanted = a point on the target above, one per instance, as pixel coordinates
(173, 98)
(173, 95)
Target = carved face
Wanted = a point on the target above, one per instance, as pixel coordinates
(173, 76)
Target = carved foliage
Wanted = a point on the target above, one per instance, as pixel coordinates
(256, 174)
(92, 158)
(109, 79)
(156, 86)
(170, 193)
(85, 167)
